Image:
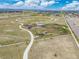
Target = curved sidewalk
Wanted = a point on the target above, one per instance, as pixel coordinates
(25, 56)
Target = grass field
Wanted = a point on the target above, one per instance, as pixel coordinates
(10, 35)
(9, 31)
(54, 26)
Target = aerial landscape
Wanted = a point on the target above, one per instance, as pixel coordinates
(29, 30)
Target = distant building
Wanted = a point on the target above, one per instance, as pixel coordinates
(40, 24)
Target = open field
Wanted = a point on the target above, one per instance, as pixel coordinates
(52, 37)
(9, 31)
(13, 40)
(59, 47)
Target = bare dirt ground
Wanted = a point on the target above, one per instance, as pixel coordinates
(60, 47)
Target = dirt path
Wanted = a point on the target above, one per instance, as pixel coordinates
(60, 47)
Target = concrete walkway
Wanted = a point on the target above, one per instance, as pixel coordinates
(25, 56)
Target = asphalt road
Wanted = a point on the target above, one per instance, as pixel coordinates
(71, 21)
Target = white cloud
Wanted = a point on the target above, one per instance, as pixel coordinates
(31, 3)
(20, 3)
(45, 4)
(71, 6)
(7, 5)
(39, 3)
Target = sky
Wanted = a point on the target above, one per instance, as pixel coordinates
(40, 4)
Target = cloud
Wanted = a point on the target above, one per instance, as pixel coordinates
(71, 6)
(47, 3)
(29, 4)
(20, 3)
(39, 3)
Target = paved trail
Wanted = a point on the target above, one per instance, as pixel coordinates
(25, 56)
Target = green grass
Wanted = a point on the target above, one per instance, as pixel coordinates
(9, 26)
(10, 32)
(52, 30)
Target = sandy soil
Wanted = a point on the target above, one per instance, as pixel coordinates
(60, 47)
